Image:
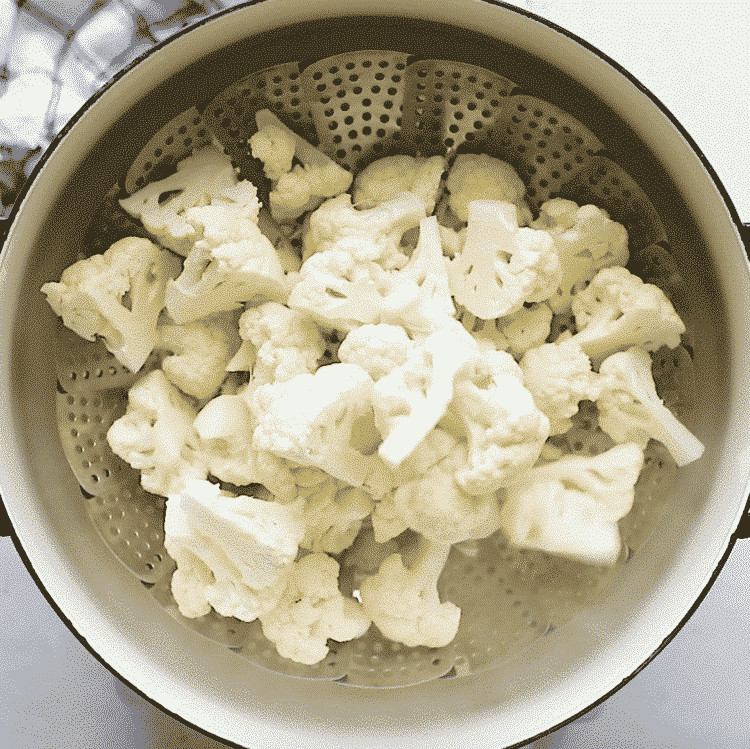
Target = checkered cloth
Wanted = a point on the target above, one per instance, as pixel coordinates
(54, 54)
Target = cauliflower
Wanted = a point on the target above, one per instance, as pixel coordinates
(481, 177)
(200, 353)
(571, 507)
(312, 611)
(404, 603)
(631, 411)
(234, 554)
(225, 425)
(586, 240)
(527, 328)
(205, 178)
(505, 429)
(411, 400)
(278, 344)
(502, 266)
(389, 176)
(559, 376)
(378, 349)
(619, 310)
(232, 263)
(435, 505)
(298, 188)
(117, 296)
(310, 419)
(339, 292)
(371, 235)
(333, 516)
(419, 295)
(157, 437)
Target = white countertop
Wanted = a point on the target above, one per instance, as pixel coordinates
(695, 694)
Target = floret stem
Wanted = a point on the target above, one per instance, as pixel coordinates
(427, 561)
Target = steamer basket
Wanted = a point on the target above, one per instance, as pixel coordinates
(560, 636)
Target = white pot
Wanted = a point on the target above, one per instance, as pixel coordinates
(203, 683)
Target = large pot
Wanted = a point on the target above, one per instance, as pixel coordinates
(558, 676)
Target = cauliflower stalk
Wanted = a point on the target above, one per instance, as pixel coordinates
(157, 437)
(631, 411)
(231, 263)
(311, 611)
(117, 296)
(296, 188)
(618, 310)
(404, 602)
(389, 176)
(207, 177)
(571, 506)
(233, 554)
(502, 266)
(200, 352)
(505, 429)
(411, 400)
(586, 240)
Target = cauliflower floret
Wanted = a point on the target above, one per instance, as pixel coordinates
(571, 507)
(378, 349)
(419, 295)
(404, 603)
(559, 376)
(310, 420)
(339, 292)
(234, 554)
(481, 177)
(631, 411)
(505, 429)
(371, 235)
(502, 266)
(619, 310)
(200, 353)
(386, 178)
(118, 296)
(586, 240)
(333, 516)
(221, 271)
(438, 508)
(452, 241)
(278, 344)
(411, 400)
(312, 611)
(527, 328)
(298, 188)
(205, 178)
(225, 425)
(156, 436)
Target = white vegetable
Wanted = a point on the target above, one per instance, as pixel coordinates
(404, 603)
(234, 554)
(157, 437)
(631, 411)
(91, 297)
(502, 266)
(312, 611)
(206, 177)
(571, 506)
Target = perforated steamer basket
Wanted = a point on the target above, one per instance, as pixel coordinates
(540, 675)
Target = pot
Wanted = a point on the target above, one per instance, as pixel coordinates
(557, 676)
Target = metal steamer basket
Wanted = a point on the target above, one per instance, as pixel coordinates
(541, 638)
